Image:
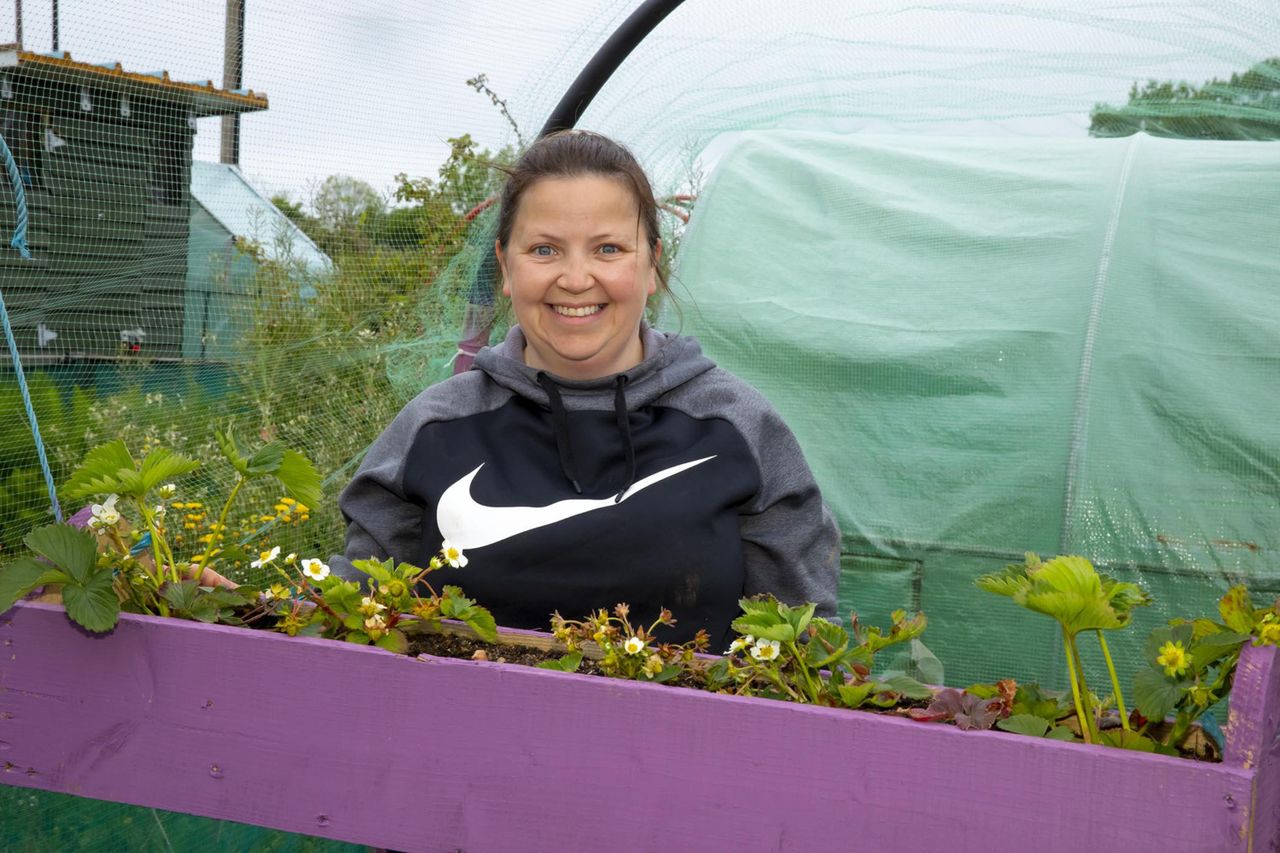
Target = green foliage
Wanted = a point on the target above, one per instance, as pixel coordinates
(1034, 725)
(1070, 590)
(565, 663)
(293, 471)
(1190, 665)
(627, 650)
(789, 653)
(111, 469)
(317, 603)
(98, 576)
(72, 562)
(63, 416)
(1246, 106)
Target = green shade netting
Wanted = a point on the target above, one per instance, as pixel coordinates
(987, 346)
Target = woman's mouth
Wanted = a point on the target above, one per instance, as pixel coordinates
(577, 311)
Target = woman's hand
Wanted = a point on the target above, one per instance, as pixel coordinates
(208, 577)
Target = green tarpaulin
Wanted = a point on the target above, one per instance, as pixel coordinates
(988, 346)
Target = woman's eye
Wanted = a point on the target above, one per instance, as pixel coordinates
(542, 251)
(609, 249)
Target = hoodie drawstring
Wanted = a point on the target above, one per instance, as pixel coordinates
(560, 424)
(624, 427)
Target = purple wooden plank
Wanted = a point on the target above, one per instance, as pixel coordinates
(361, 745)
(1253, 738)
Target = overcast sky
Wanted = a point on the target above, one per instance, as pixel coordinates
(361, 87)
(374, 87)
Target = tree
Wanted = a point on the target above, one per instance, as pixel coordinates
(467, 178)
(1245, 107)
(294, 212)
(342, 202)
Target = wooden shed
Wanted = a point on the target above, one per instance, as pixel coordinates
(104, 155)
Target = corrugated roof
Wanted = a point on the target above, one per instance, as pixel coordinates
(204, 98)
(242, 210)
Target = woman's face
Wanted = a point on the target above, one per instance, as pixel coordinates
(579, 270)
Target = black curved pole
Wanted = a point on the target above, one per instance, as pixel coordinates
(611, 54)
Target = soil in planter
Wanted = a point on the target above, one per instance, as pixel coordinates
(453, 646)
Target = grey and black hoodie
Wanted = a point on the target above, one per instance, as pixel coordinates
(673, 485)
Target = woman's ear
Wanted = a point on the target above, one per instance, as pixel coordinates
(502, 267)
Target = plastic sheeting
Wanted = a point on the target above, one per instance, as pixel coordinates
(988, 346)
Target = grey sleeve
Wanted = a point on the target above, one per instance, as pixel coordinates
(381, 521)
(789, 538)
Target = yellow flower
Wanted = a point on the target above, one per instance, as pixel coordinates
(281, 508)
(1173, 657)
(1269, 630)
(265, 518)
(288, 501)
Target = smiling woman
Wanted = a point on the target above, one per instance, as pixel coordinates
(579, 271)
(590, 460)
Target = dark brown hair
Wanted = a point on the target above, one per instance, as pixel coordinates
(571, 153)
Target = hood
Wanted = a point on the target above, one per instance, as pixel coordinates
(670, 360)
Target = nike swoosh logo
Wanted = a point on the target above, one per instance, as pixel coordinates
(468, 524)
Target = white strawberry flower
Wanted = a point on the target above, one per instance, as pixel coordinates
(741, 643)
(453, 555)
(266, 557)
(314, 569)
(105, 514)
(766, 649)
(633, 646)
(371, 606)
(167, 491)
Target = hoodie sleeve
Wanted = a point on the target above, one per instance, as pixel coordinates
(381, 520)
(789, 538)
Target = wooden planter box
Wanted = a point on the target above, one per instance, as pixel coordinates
(361, 745)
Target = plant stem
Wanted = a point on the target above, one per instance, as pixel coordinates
(1085, 730)
(222, 522)
(811, 690)
(1181, 725)
(160, 553)
(1086, 697)
(318, 598)
(1115, 681)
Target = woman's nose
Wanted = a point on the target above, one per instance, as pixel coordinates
(576, 276)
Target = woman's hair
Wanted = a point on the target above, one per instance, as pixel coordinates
(572, 153)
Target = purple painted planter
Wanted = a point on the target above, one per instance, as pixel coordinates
(361, 745)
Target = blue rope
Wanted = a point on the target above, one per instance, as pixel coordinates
(19, 242)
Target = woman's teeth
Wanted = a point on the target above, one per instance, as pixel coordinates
(584, 311)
